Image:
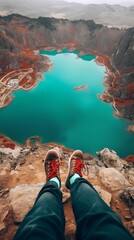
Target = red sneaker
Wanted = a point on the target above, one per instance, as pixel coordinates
(51, 164)
(75, 165)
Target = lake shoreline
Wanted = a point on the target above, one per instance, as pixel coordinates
(6, 142)
(23, 79)
(43, 86)
(110, 80)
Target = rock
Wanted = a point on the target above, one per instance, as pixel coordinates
(106, 196)
(111, 159)
(100, 164)
(128, 218)
(131, 179)
(18, 168)
(129, 175)
(31, 167)
(91, 167)
(91, 176)
(22, 198)
(14, 173)
(21, 161)
(15, 152)
(33, 149)
(128, 197)
(3, 172)
(13, 156)
(5, 159)
(113, 179)
(122, 57)
(3, 191)
(91, 162)
(66, 196)
(129, 225)
(65, 192)
(13, 163)
(6, 217)
(88, 157)
(2, 227)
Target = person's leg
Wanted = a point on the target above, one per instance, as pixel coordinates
(46, 219)
(94, 218)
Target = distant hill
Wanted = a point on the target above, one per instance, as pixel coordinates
(109, 15)
(127, 4)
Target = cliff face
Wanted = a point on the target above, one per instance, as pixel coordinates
(19, 32)
(123, 56)
(19, 36)
(122, 89)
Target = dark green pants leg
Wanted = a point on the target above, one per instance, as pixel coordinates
(95, 219)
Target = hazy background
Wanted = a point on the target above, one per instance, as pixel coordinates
(117, 13)
(120, 2)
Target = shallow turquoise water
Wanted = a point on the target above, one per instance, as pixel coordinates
(58, 113)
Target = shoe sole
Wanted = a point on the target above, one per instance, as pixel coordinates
(67, 184)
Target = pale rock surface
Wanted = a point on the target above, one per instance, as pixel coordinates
(66, 195)
(5, 214)
(22, 198)
(3, 172)
(113, 179)
(15, 152)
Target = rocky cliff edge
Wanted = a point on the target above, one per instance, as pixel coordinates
(22, 176)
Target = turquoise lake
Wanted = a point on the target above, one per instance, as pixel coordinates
(58, 113)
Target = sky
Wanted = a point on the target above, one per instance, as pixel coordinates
(101, 1)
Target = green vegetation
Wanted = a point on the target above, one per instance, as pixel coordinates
(90, 23)
(47, 22)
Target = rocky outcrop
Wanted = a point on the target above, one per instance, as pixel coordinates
(109, 175)
(49, 32)
(128, 197)
(121, 85)
(110, 159)
(123, 55)
(113, 179)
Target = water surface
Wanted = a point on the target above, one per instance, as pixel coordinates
(58, 113)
